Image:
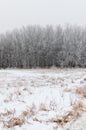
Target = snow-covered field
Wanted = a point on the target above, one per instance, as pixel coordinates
(43, 99)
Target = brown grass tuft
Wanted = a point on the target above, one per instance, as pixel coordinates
(43, 107)
(15, 121)
(81, 91)
(7, 113)
(79, 106)
(74, 114)
(70, 116)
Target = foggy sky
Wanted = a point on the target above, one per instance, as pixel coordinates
(18, 13)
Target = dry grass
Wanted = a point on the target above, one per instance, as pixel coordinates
(29, 112)
(32, 110)
(79, 106)
(14, 121)
(72, 115)
(7, 113)
(81, 91)
(62, 120)
(18, 121)
(43, 107)
(9, 120)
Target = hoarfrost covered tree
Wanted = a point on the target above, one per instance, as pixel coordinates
(83, 50)
(36, 46)
(58, 47)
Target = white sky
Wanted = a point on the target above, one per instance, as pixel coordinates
(16, 13)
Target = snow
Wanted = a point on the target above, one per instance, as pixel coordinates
(41, 98)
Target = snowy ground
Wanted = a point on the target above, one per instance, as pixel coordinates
(43, 99)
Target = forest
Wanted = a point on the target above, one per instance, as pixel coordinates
(35, 46)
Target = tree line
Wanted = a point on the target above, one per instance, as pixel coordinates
(36, 46)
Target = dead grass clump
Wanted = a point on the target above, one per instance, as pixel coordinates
(43, 107)
(71, 115)
(7, 113)
(74, 114)
(15, 121)
(29, 112)
(32, 110)
(26, 114)
(19, 121)
(79, 106)
(81, 91)
(59, 120)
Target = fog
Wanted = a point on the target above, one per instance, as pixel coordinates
(18, 13)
